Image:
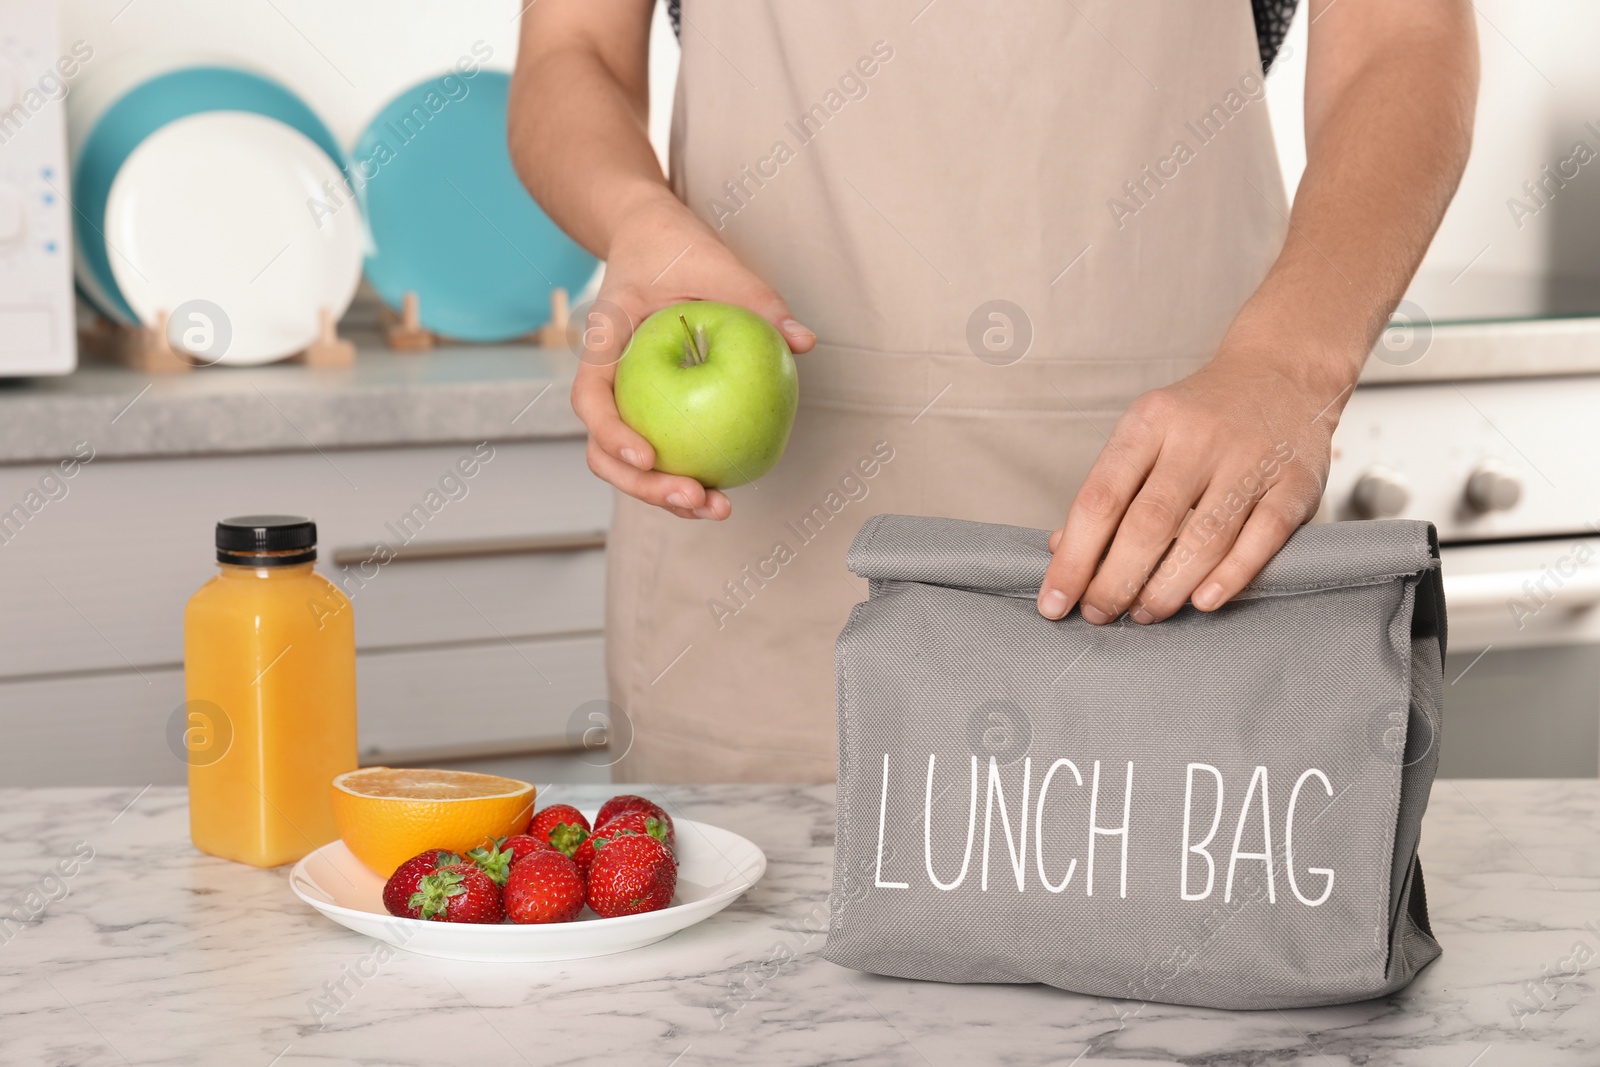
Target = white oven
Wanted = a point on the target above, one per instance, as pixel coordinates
(1507, 471)
(1480, 410)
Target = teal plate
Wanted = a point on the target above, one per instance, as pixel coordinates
(450, 220)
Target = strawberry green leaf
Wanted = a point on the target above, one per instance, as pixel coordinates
(566, 837)
(434, 892)
(493, 862)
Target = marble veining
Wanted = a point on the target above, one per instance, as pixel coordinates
(147, 952)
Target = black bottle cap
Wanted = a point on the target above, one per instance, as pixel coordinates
(266, 540)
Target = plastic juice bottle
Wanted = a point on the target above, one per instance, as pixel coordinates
(269, 662)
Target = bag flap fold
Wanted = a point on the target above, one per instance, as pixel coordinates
(1012, 559)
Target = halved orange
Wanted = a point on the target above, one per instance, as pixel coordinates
(386, 815)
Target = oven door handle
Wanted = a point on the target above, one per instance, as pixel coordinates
(1575, 592)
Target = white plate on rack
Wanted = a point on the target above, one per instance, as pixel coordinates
(243, 218)
(715, 866)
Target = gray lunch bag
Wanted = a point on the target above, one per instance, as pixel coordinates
(1219, 809)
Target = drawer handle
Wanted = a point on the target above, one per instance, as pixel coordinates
(487, 546)
(378, 756)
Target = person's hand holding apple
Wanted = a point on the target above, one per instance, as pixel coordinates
(661, 254)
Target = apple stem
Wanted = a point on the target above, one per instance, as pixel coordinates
(694, 348)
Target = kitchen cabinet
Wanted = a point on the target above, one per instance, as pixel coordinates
(478, 598)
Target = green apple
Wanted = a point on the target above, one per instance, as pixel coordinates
(713, 388)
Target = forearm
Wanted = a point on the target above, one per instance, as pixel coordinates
(579, 117)
(1388, 130)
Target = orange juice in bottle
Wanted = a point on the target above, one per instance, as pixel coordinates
(269, 663)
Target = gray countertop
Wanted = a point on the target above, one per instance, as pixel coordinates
(443, 395)
(457, 393)
(152, 953)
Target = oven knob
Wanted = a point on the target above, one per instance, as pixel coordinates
(1380, 493)
(1493, 487)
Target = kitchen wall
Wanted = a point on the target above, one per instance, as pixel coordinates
(1540, 93)
(347, 59)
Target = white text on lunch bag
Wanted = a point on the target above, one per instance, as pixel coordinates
(1206, 864)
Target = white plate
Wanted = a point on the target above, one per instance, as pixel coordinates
(715, 867)
(218, 207)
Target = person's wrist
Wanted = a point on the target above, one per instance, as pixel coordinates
(1316, 345)
(1309, 368)
(649, 208)
(1308, 361)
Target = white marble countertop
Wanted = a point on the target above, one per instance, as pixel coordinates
(150, 953)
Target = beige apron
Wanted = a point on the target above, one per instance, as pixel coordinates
(892, 168)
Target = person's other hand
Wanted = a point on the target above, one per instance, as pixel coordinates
(1242, 444)
(662, 254)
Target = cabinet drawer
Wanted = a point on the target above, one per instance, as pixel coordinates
(453, 703)
(97, 579)
(110, 728)
(478, 597)
(97, 729)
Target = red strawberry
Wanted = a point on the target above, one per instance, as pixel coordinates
(407, 878)
(544, 888)
(628, 802)
(632, 873)
(459, 893)
(521, 846)
(498, 857)
(562, 826)
(583, 854)
(638, 822)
